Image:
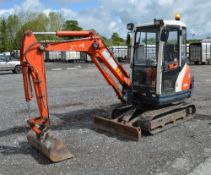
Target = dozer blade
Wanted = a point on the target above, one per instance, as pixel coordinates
(50, 145)
(114, 126)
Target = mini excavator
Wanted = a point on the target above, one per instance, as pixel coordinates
(152, 96)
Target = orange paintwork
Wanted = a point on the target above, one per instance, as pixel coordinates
(73, 33)
(187, 79)
(32, 60)
(173, 66)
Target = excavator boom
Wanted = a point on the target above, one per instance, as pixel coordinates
(32, 59)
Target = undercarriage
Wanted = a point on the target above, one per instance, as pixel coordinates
(130, 121)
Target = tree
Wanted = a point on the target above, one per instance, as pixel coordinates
(116, 39)
(55, 21)
(193, 41)
(106, 40)
(13, 25)
(72, 25)
(4, 44)
(38, 24)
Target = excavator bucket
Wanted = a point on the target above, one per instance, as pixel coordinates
(50, 145)
(125, 129)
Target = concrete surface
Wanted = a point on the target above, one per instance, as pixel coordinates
(76, 93)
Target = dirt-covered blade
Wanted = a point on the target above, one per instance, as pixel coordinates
(50, 145)
(113, 126)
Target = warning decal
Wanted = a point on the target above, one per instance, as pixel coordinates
(109, 58)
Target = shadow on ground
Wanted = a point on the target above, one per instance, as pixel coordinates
(71, 120)
(26, 149)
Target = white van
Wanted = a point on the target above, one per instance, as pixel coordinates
(7, 64)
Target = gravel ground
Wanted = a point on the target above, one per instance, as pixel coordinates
(77, 93)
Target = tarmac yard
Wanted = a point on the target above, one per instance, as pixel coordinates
(77, 92)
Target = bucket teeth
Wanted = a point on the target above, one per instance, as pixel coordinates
(50, 145)
(113, 126)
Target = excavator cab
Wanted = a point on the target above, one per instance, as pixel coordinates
(160, 74)
(161, 81)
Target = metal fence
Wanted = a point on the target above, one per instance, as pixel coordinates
(121, 53)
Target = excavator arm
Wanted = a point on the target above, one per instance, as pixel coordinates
(32, 59)
(33, 66)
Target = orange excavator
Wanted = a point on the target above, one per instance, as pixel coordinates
(152, 96)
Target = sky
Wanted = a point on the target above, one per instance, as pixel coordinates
(108, 16)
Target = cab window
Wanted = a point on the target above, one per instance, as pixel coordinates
(171, 47)
(146, 47)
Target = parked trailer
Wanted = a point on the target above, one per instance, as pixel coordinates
(200, 52)
(61, 56)
(85, 57)
(120, 52)
(71, 56)
(53, 56)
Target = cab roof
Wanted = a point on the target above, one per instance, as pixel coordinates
(166, 22)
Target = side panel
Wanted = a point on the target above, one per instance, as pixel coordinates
(3, 65)
(183, 81)
(11, 65)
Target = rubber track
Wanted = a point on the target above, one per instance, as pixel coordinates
(157, 120)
